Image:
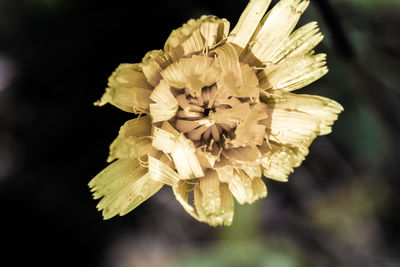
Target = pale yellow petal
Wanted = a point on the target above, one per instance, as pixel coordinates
(242, 155)
(274, 29)
(161, 172)
(163, 140)
(232, 115)
(249, 131)
(194, 44)
(133, 139)
(237, 79)
(184, 157)
(293, 73)
(166, 104)
(128, 89)
(174, 75)
(213, 201)
(280, 160)
(153, 63)
(245, 189)
(206, 159)
(325, 109)
(182, 192)
(123, 185)
(180, 35)
(300, 42)
(291, 128)
(248, 23)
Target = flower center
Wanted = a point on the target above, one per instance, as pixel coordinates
(205, 118)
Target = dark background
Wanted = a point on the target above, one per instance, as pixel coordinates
(340, 208)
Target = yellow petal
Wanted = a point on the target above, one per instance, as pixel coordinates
(325, 109)
(232, 115)
(247, 23)
(274, 29)
(293, 73)
(181, 34)
(213, 201)
(242, 155)
(132, 140)
(163, 140)
(291, 128)
(182, 192)
(300, 42)
(214, 30)
(123, 185)
(237, 79)
(153, 63)
(206, 159)
(128, 89)
(194, 44)
(246, 190)
(174, 75)
(249, 131)
(161, 172)
(280, 160)
(184, 157)
(166, 104)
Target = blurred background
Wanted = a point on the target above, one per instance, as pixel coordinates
(340, 208)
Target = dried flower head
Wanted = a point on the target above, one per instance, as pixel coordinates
(216, 113)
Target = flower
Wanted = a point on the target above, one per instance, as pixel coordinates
(216, 113)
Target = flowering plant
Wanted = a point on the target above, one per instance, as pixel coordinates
(216, 113)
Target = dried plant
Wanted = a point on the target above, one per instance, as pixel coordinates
(216, 113)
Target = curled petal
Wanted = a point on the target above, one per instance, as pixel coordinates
(166, 104)
(213, 201)
(245, 189)
(128, 89)
(237, 79)
(280, 160)
(182, 192)
(153, 63)
(180, 35)
(133, 139)
(249, 131)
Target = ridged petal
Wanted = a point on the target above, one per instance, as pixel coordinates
(153, 63)
(293, 73)
(128, 89)
(166, 104)
(280, 160)
(245, 189)
(133, 139)
(273, 30)
(248, 23)
(161, 172)
(123, 185)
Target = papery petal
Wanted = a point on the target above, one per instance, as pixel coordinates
(300, 42)
(237, 79)
(280, 160)
(291, 128)
(182, 192)
(123, 185)
(248, 23)
(128, 89)
(184, 157)
(273, 30)
(180, 35)
(161, 172)
(213, 201)
(245, 189)
(293, 73)
(133, 139)
(325, 109)
(152, 65)
(166, 104)
(249, 131)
